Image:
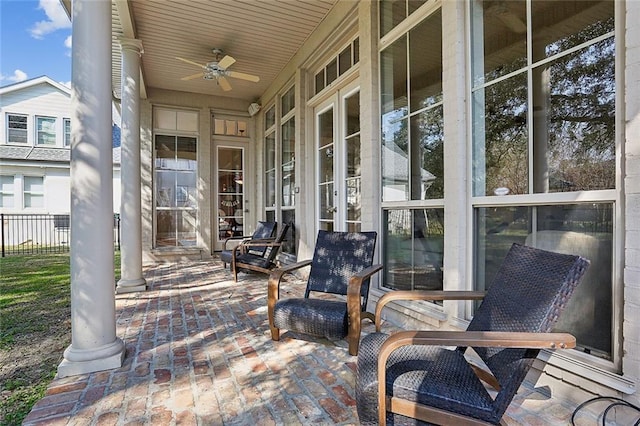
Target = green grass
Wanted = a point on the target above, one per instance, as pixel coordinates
(35, 328)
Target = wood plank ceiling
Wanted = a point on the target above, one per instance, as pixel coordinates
(262, 35)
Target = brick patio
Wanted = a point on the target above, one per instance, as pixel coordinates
(199, 352)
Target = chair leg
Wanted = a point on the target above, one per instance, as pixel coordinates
(354, 342)
(275, 333)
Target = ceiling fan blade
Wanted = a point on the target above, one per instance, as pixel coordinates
(191, 77)
(224, 83)
(226, 62)
(243, 76)
(191, 62)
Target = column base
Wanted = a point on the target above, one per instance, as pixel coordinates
(130, 286)
(83, 361)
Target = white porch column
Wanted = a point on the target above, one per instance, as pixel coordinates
(130, 206)
(94, 345)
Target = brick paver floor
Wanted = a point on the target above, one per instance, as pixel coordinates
(199, 352)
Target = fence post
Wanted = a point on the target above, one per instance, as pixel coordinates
(2, 220)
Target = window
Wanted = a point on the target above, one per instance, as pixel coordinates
(413, 155)
(16, 128)
(393, 12)
(337, 66)
(6, 192)
(280, 165)
(543, 154)
(45, 131)
(33, 192)
(229, 127)
(67, 132)
(175, 190)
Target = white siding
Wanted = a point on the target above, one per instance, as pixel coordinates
(39, 100)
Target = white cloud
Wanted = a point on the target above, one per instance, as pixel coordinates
(67, 42)
(56, 19)
(18, 76)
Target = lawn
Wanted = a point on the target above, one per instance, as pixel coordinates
(35, 328)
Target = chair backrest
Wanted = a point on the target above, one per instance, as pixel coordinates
(337, 256)
(263, 230)
(273, 251)
(529, 292)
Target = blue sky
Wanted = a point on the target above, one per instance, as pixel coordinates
(35, 40)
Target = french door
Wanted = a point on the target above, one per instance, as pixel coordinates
(229, 218)
(338, 161)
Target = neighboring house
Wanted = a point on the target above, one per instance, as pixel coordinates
(35, 117)
(527, 114)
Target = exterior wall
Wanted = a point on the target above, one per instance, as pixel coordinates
(206, 105)
(57, 198)
(38, 100)
(631, 323)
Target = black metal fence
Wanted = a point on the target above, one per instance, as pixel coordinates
(41, 233)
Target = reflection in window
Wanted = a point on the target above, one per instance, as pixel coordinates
(578, 229)
(46, 131)
(414, 249)
(175, 190)
(6, 191)
(412, 114)
(288, 163)
(569, 90)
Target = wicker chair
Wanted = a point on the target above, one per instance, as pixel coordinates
(263, 230)
(342, 265)
(409, 378)
(243, 257)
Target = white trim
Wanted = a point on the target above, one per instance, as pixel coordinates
(34, 82)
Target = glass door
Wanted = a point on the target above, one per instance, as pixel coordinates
(230, 193)
(338, 161)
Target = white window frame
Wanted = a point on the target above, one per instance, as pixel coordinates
(32, 193)
(39, 131)
(8, 129)
(66, 128)
(11, 193)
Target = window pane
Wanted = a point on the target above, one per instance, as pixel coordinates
(326, 200)
(288, 101)
(319, 81)
(354, 200)
(271, 189)
(582, 229)
(392, 12)
(499, 34)
(427, 155)
(288, 163)
(46, 129)
(574, 100)
(332, 71)
(165, 187)
(67, 132)
(561, 28)
(352, 104)
(6, 191)
(414, 249)
(500, 141)
(33, 200)
(289, 245)
(34, 184)
(17, 128)
(395, 140)
(344, 60)
(425, 62)
(270, 117)
(356, 51)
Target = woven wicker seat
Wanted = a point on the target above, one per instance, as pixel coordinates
(342, 265)
(426, 383)
(243, 257)
(263, 230)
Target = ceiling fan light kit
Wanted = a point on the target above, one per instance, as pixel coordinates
(218, 70)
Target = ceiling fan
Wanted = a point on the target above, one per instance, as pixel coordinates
(217, 70)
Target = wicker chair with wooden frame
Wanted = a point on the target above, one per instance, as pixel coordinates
(263, 230)
(243, 257)
(411, 378)
(342, 266)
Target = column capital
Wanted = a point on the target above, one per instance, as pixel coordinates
(132, 44)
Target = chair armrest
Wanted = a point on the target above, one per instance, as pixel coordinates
(276, 276)
(463, 338)
(355, 283)
(236, 238)
(423, 295)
